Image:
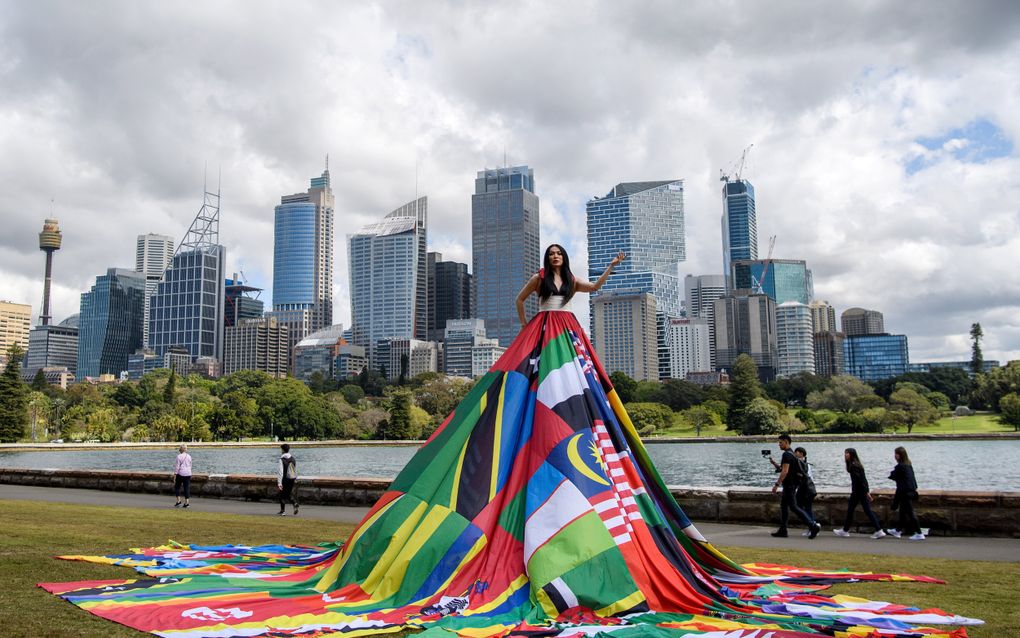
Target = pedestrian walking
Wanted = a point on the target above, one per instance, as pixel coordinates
(286, 477)
(790, 479)
(906, 494)
(806, 491)
(182, 476)
(860, 494)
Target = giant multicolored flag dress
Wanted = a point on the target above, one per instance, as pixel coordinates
(534, 510)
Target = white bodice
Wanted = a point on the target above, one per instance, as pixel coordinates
(554, 302)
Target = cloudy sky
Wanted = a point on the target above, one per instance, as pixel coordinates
(885, 133)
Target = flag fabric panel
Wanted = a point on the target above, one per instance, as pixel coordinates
(533, 510)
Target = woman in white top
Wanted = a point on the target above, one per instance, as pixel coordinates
(182, 476)
(555, 284)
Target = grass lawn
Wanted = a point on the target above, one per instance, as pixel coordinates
(35, 532)
(981, 422)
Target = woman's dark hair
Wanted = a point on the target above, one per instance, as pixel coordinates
(285, 447)
(854, 460)
(901, 453)
(802, 451)
(547, 287)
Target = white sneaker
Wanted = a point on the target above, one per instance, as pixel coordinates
(841, 532)
(806, 533)
(895, 533)
(917, 537)
(878, 534)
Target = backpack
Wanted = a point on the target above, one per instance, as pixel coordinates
(806, 483)
(289, 468)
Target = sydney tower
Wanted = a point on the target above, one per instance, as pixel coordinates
(49, 241)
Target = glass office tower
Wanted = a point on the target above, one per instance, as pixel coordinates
(186, 311)
(505, 250)
(303, 259)
(786, 279)
(875, 357)
(646, 221)
(388, 272)
(739, 224)
(153, 254)
(449, 294)
(110, 323)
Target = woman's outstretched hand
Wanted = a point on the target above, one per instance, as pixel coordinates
(619, 258)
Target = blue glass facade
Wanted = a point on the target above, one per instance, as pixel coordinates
(739, 223)
(786, 279)
(110, 323)
(505, 250)
(875, 357)
(646, 221)
(294, 254)
(187, 308)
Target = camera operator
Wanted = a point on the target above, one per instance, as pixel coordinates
(789, 478)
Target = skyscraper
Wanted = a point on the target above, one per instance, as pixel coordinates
(15, 323)
(256, 344)
(626, 333)
(858, 321)
(303, 259)
(823, 317)
(785, 280)
(186, 311)
(830, 360)
(110, 323)
(460, 336)
(505, 249)
(701, 291)
(739, 224)
(746, 324)
(646, 221)
(794, 342)
(449, 294)
(388, 272)
(51, 346)
(690, 346)
(153, 253)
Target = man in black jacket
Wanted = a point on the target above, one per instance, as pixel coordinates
(789, 479)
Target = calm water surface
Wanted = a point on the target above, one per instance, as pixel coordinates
(950, 465)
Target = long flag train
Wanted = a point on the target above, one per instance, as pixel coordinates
(534, 510)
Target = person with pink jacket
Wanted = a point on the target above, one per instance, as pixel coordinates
(182, 476)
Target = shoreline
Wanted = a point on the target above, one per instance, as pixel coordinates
(810, 438)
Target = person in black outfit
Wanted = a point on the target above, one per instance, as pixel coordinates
(789, 478)
(806, 491)
(906, 494)
(286, 477)
(860, 493)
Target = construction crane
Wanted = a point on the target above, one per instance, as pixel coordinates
(724, 177)
(757, 284)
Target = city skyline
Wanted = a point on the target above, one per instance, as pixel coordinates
(876, 158)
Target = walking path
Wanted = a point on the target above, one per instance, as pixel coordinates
(953, 547)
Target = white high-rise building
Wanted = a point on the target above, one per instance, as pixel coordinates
(388, 274)
(689, 345)
(794, 339)
(700, 292)
(153, 253)
(626, 333)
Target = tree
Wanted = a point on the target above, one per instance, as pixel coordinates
(170, 388)
(236, 417)
(168, 427)
(997, 383)
(399, 426)
(744, 388)
(649, 417)
(679, 394)
(39, 406)
(281, 407)
(352, 393)
(717, 407)
(247, 381)
(13, 398)
(438, 396)
(1009, 409)
(761, 416)
(913, 407)
(700, 417)
(977, 360)
(624, 386)
(127, 395)
(795, 390)
(319, 383)
(39, 383)
(844, 394)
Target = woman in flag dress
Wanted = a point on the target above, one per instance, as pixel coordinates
(555, 284)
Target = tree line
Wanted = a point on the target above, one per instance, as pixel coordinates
(249, 404)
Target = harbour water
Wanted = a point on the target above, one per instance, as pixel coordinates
(971, 465)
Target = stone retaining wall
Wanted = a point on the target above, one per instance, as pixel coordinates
(956, 513)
